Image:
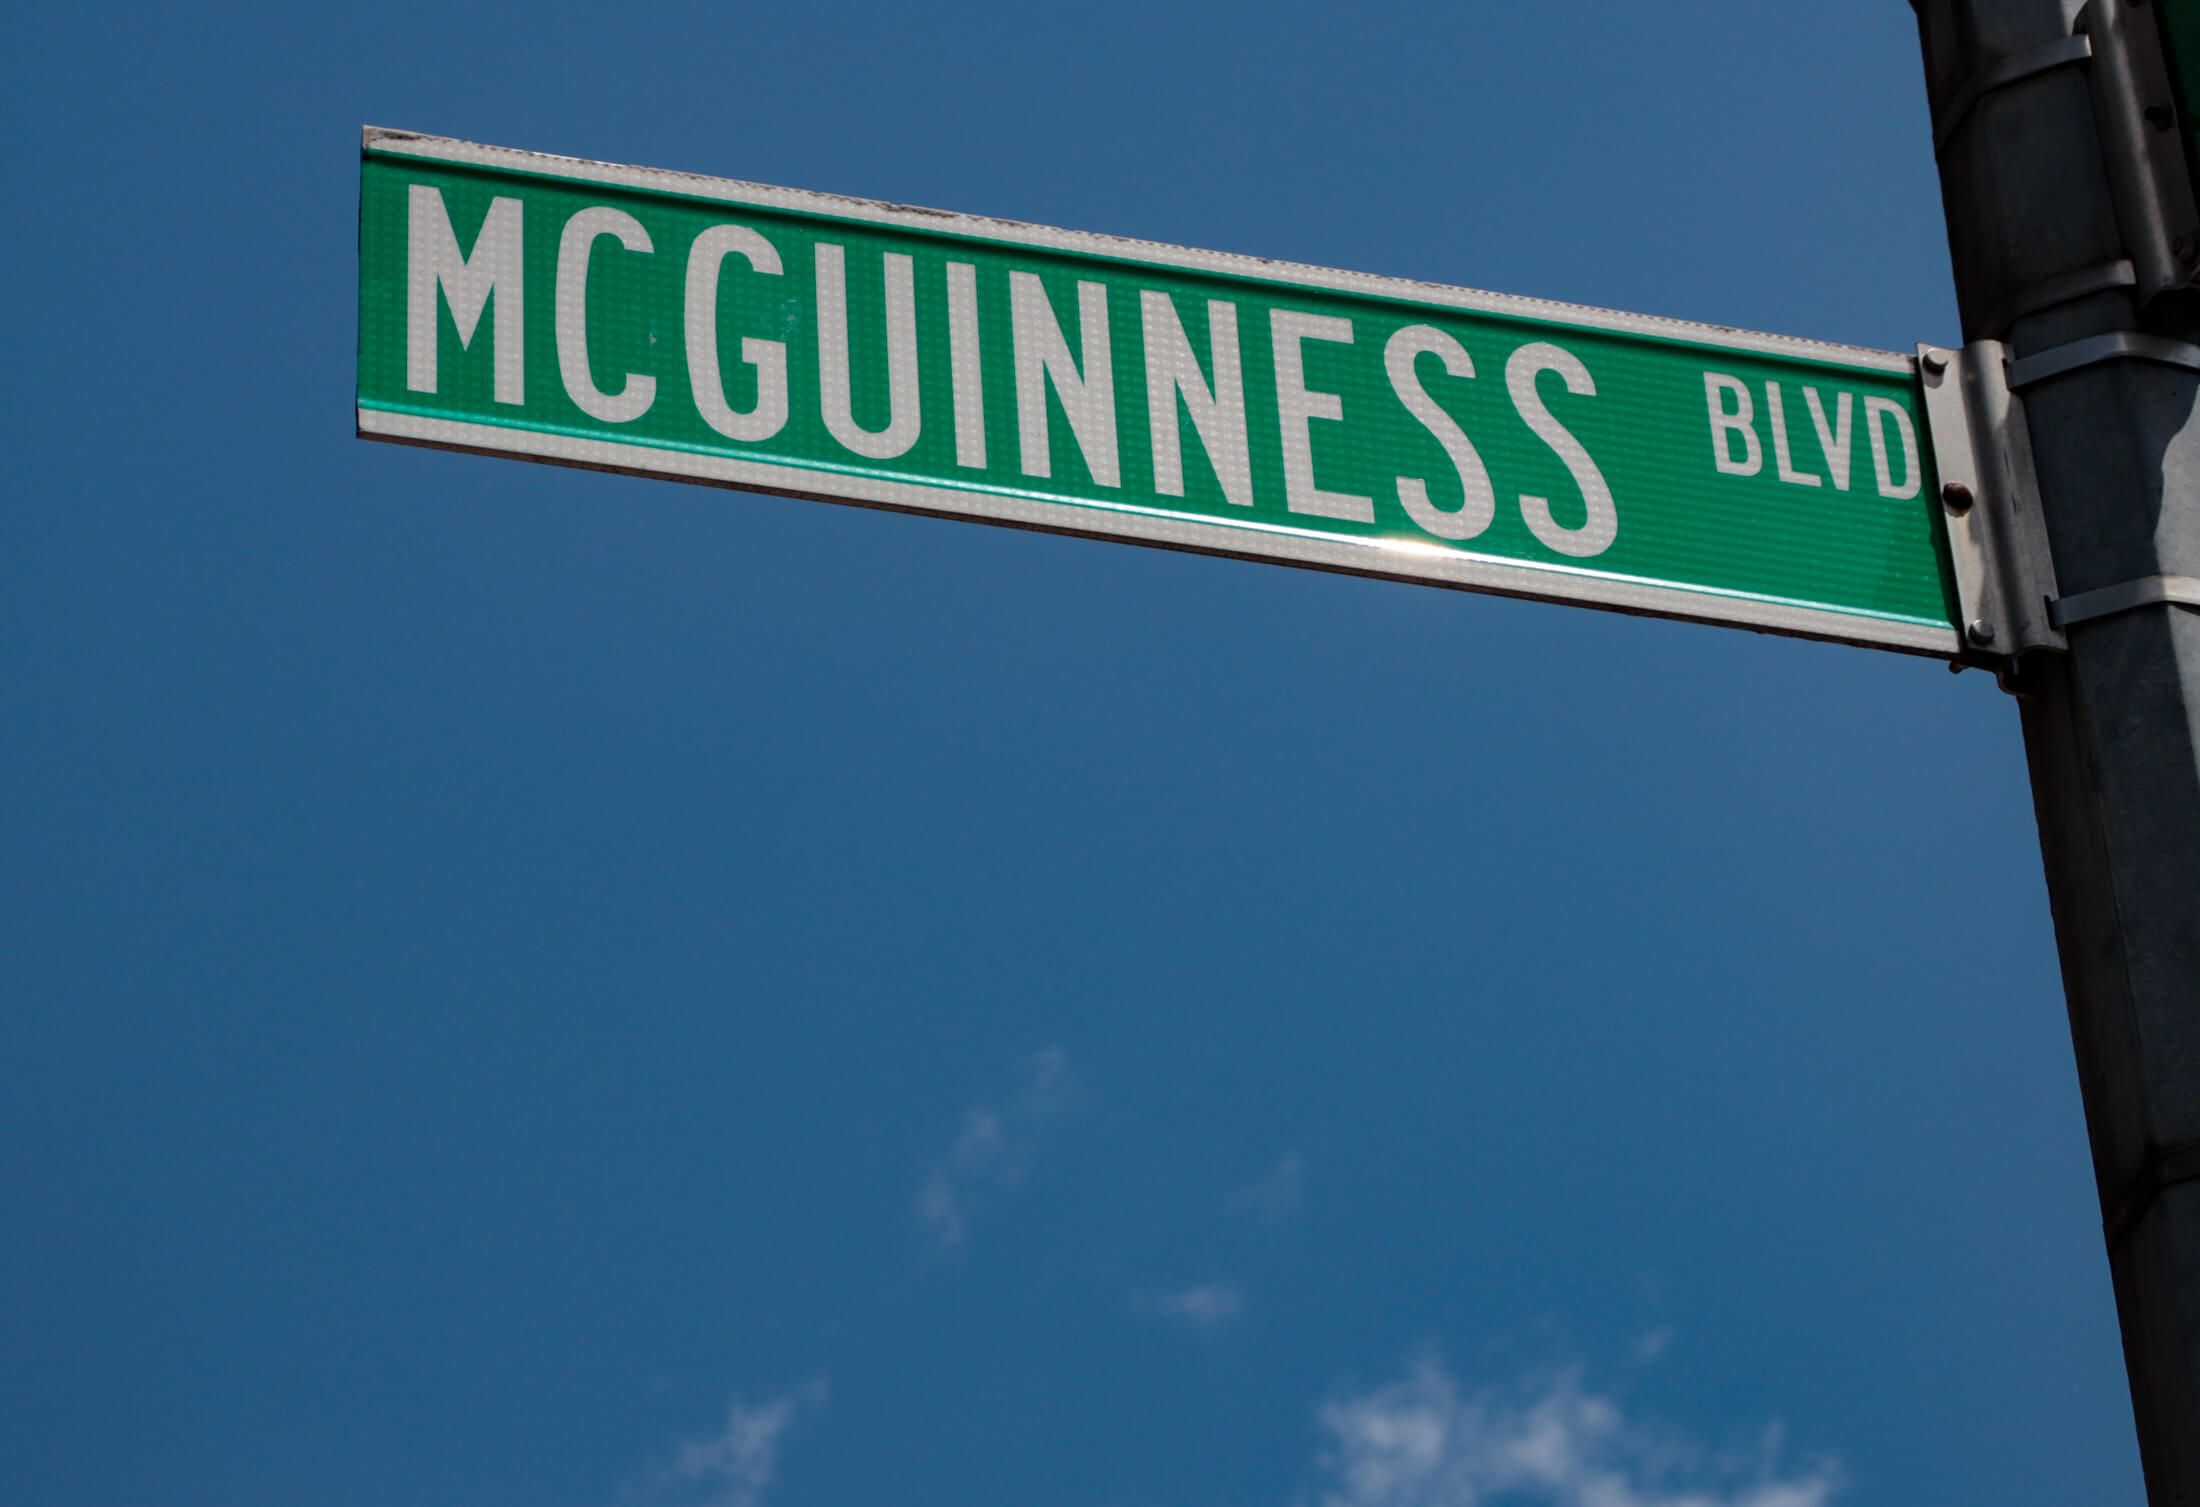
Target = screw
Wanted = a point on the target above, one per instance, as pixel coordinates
(1934, 362)
(1957, 496)
(2184, 248)
(1981, 631)
(2161, 117)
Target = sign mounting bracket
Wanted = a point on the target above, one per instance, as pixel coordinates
(1989, 498)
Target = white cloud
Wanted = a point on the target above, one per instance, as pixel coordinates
(735, 1466)
(1418, 1442)
(1652, 1343)
(1272, 1197)
(997, 1146)
(1207, 1307)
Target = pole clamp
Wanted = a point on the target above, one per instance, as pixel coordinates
(2105, 277)
(2125, 596)
(2157, 1174)
(2117, 345)
(2059, 53)
(1990, 502)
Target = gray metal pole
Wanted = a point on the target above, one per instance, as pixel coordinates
(2049, 225)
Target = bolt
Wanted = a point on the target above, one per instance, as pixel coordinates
(2161, 117)
(1982, 632)
(1934, 362)
(1957, 496)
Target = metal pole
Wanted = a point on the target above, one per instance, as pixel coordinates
(2068, 240)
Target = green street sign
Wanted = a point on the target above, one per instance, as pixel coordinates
(764, 338)
(2179, 23)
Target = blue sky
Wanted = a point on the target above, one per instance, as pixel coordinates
(539, 988)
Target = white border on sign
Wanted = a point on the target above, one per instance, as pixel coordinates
(1392, 560)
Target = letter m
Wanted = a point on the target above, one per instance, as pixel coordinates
(466, 282)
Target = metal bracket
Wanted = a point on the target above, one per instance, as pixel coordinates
(2161, 1171)
(2135, 111)
(2125, 596)
(2070, 287)
(1990, 499)
(2135, 117)
(2116, 345)
(2059, 53)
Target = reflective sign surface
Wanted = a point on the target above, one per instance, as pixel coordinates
(790, 342)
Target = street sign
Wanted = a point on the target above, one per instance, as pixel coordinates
(2178, 22)
(704, 330)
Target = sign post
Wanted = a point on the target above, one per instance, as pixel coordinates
(727, 333)
(2071, 223)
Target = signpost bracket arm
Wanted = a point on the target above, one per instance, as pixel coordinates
(2135, 119)
(2135, 114)
(1990, 501)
